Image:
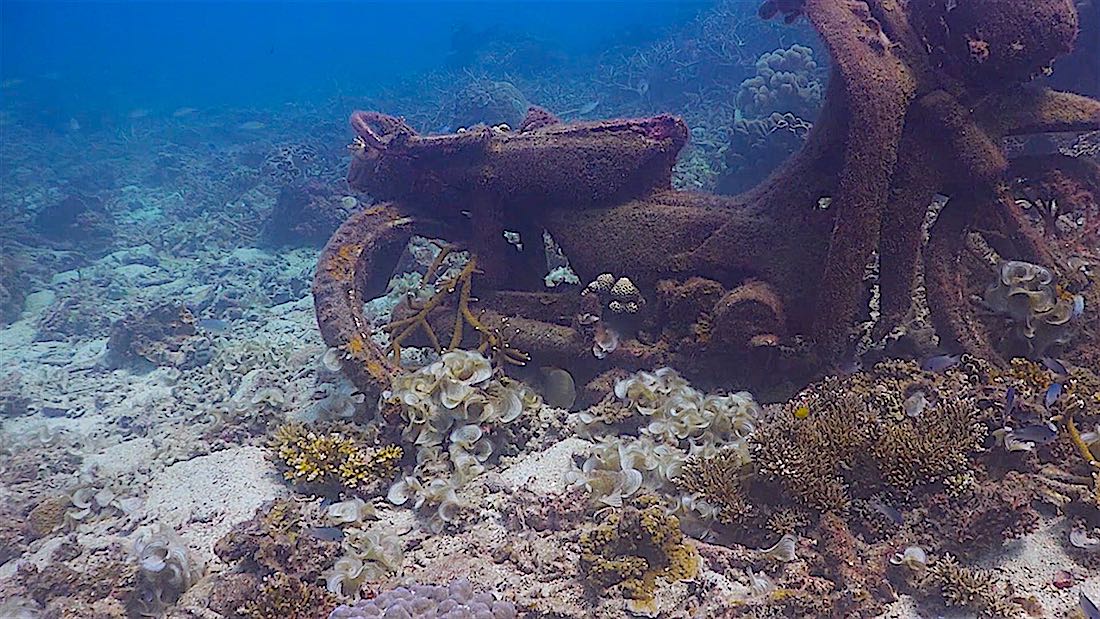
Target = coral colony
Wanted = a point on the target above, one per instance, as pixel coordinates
(556, 380)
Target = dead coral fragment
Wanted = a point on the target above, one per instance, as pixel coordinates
(333, 458)
(634, 548)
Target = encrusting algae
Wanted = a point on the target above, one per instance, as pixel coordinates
(337, 458)
(632, 549)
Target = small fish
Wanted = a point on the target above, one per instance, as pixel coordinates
(1087, 606)
(940, 363)
(915, 404)
(1054, 365)
(213, 324)
(138, 113)
(252, 125)
(559, 390)
(1053, 391)
(331, 534)
(802, 412)
(1039, 433)
(53, 411)
(1010, 403)
(889, 511)
(184, 111)
(849, 367)
(1078, 306)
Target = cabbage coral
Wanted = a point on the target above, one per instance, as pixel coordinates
(674, 423)
(459, 416)
(1030, 297)
(166, 569)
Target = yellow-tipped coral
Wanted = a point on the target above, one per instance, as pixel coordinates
(333, 458)
(633, 549)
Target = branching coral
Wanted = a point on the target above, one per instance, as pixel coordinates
(860, 430)
(973, 589)
(336, 459)
(633, 549)
(717, 481)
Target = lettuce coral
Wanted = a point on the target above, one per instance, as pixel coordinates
(459, 416)
(657, 424)
(166, 569)
(1029, 296)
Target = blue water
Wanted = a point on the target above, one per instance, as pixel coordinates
(88, 57)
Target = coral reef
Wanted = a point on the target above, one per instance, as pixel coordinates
(79, 222)
(307, 213)
(278, 561)
(1042, 318)
(488, 102)
(972, 589)
(871, 436)
(161, 335)
(632, 549)
(452, 601)
(785, 83)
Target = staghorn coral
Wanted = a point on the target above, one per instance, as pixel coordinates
(718, 483)
(458, 600)
(632, 549)
(931, 448)
(335, 459)
(976, 590)
(858, 431)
